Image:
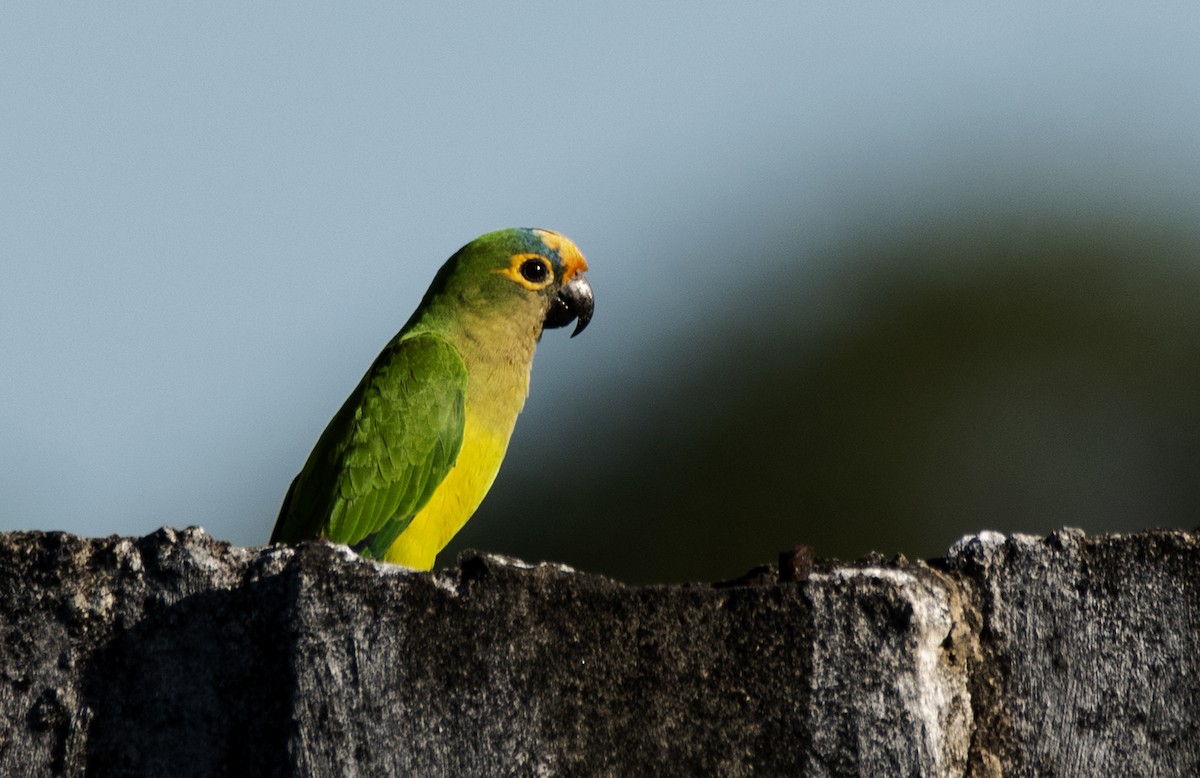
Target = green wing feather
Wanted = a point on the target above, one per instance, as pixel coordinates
(385, 452)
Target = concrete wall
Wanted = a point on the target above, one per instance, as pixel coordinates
(176, 654)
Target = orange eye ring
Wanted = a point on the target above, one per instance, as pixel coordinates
(535, 270)
(532, 271)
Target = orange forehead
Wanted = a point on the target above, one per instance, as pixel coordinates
(568, 253)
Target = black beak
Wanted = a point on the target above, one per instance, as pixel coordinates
(574, 301)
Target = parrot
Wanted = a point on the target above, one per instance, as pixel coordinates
(408, 458)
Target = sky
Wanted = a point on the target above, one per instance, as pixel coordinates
(213, 216)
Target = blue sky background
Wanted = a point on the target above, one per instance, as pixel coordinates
(212, 216)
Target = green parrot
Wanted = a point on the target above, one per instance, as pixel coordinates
(417, 445)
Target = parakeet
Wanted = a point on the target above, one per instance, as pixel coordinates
(417, 445)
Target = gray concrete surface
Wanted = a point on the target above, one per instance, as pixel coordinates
(177, 655)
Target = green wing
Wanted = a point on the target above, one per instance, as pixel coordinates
(385, 452)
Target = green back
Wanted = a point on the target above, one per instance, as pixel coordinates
(383, 454)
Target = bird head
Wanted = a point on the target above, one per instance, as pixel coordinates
(527, 273)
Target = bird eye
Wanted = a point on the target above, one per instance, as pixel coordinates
(535, 271)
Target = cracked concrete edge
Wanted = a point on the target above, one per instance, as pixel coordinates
(1089, 656)
(932, 688)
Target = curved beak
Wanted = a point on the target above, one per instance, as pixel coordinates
(573, 302)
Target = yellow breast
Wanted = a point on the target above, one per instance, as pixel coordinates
(456, 498)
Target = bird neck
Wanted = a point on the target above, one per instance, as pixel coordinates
(498, 353)
(497, 343)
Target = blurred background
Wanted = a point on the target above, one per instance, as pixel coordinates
(868, 277)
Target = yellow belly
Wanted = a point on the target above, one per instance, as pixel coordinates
(456, 498)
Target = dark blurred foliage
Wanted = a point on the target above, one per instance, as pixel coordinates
(1003, 372)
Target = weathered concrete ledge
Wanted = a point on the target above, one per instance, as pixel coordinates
(176, 654)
